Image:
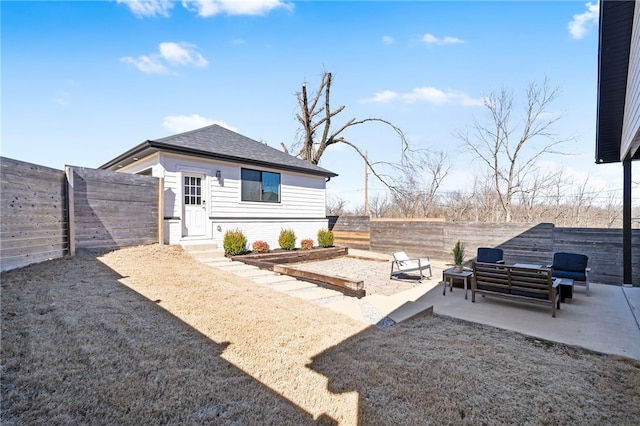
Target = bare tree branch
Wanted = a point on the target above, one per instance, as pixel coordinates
(318, 132)
(500, 145)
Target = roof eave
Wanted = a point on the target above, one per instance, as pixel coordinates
(154, 146)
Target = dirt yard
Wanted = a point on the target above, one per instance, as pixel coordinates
(147, 335)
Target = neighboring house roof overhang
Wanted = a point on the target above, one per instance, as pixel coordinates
(616, 29)
(218, 143)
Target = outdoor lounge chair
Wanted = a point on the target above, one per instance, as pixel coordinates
(572, 266)
(404, 265)
(489, 255)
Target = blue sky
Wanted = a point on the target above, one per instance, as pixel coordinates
(83, 82)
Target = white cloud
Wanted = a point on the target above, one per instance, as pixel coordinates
(431, 39)
(184, 123)
(146, 64)
(582, 22)
(381, 97)
(182, 54)
(440, 97)
(148, 7)
(388, 40)
(206, 8)
(170, 54)
(426, 94)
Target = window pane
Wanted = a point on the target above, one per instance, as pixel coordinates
(186, 199)
(251, 185)
(270, 187)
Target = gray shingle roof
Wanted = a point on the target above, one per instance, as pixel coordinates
(223, 144)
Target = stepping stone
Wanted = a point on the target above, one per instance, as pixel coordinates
(348, 306)
(253, 273)
(272, 279)
(315, 293)
(235, 267)
(293, 285)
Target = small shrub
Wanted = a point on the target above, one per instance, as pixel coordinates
(325, 238)
(306, 244)
(458, 253)
(234, 242)
(261, 247)
(287, 239)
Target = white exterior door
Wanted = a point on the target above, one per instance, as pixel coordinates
(195, 211)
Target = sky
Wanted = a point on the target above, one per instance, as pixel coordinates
(84, 81)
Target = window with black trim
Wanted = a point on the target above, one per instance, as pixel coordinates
(260, 186)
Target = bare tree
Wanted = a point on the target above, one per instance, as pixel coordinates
(582, 202)
(335, 206)
(380, 206)
(613, 209)
(411, 197)
(458, 204)
(507, 150)
(318, 133)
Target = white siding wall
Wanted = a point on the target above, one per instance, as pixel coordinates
(300, 196)
(301, 207)
(631, 124)
(269, 230)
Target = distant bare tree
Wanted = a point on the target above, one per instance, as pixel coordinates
(380, 206)
(613, 209)
(318, 133)
(458, 205)
(411, 198)
(581, 202)
(508, 150)
(335, 206)
(485, 205)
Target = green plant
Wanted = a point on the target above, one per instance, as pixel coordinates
(261, 247)
(234, 242)
(325, 238)
(306, 244)
(287, 239)
(458, 253)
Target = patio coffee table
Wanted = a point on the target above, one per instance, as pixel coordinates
(566, 288)
(450, 274)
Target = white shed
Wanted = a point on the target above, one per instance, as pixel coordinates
(216, 179)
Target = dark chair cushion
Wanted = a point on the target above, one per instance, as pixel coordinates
(569, 262)
(576, 276)
(489, 255)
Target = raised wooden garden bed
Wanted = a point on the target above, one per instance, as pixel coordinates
(345, 285)
(275, 261)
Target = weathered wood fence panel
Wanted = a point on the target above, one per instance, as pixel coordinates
(418, 238)
(112, 210)
(48, 213)
(352, 231)
(522, 243)
(33, 206)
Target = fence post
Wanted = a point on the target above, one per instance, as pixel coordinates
(161, 211)
(71, 215)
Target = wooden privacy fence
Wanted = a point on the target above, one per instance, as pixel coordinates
(521, 242)
(48, 213)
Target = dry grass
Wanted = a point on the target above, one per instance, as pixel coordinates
(149, 336)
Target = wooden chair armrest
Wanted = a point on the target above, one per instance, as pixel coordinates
(500, 262)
